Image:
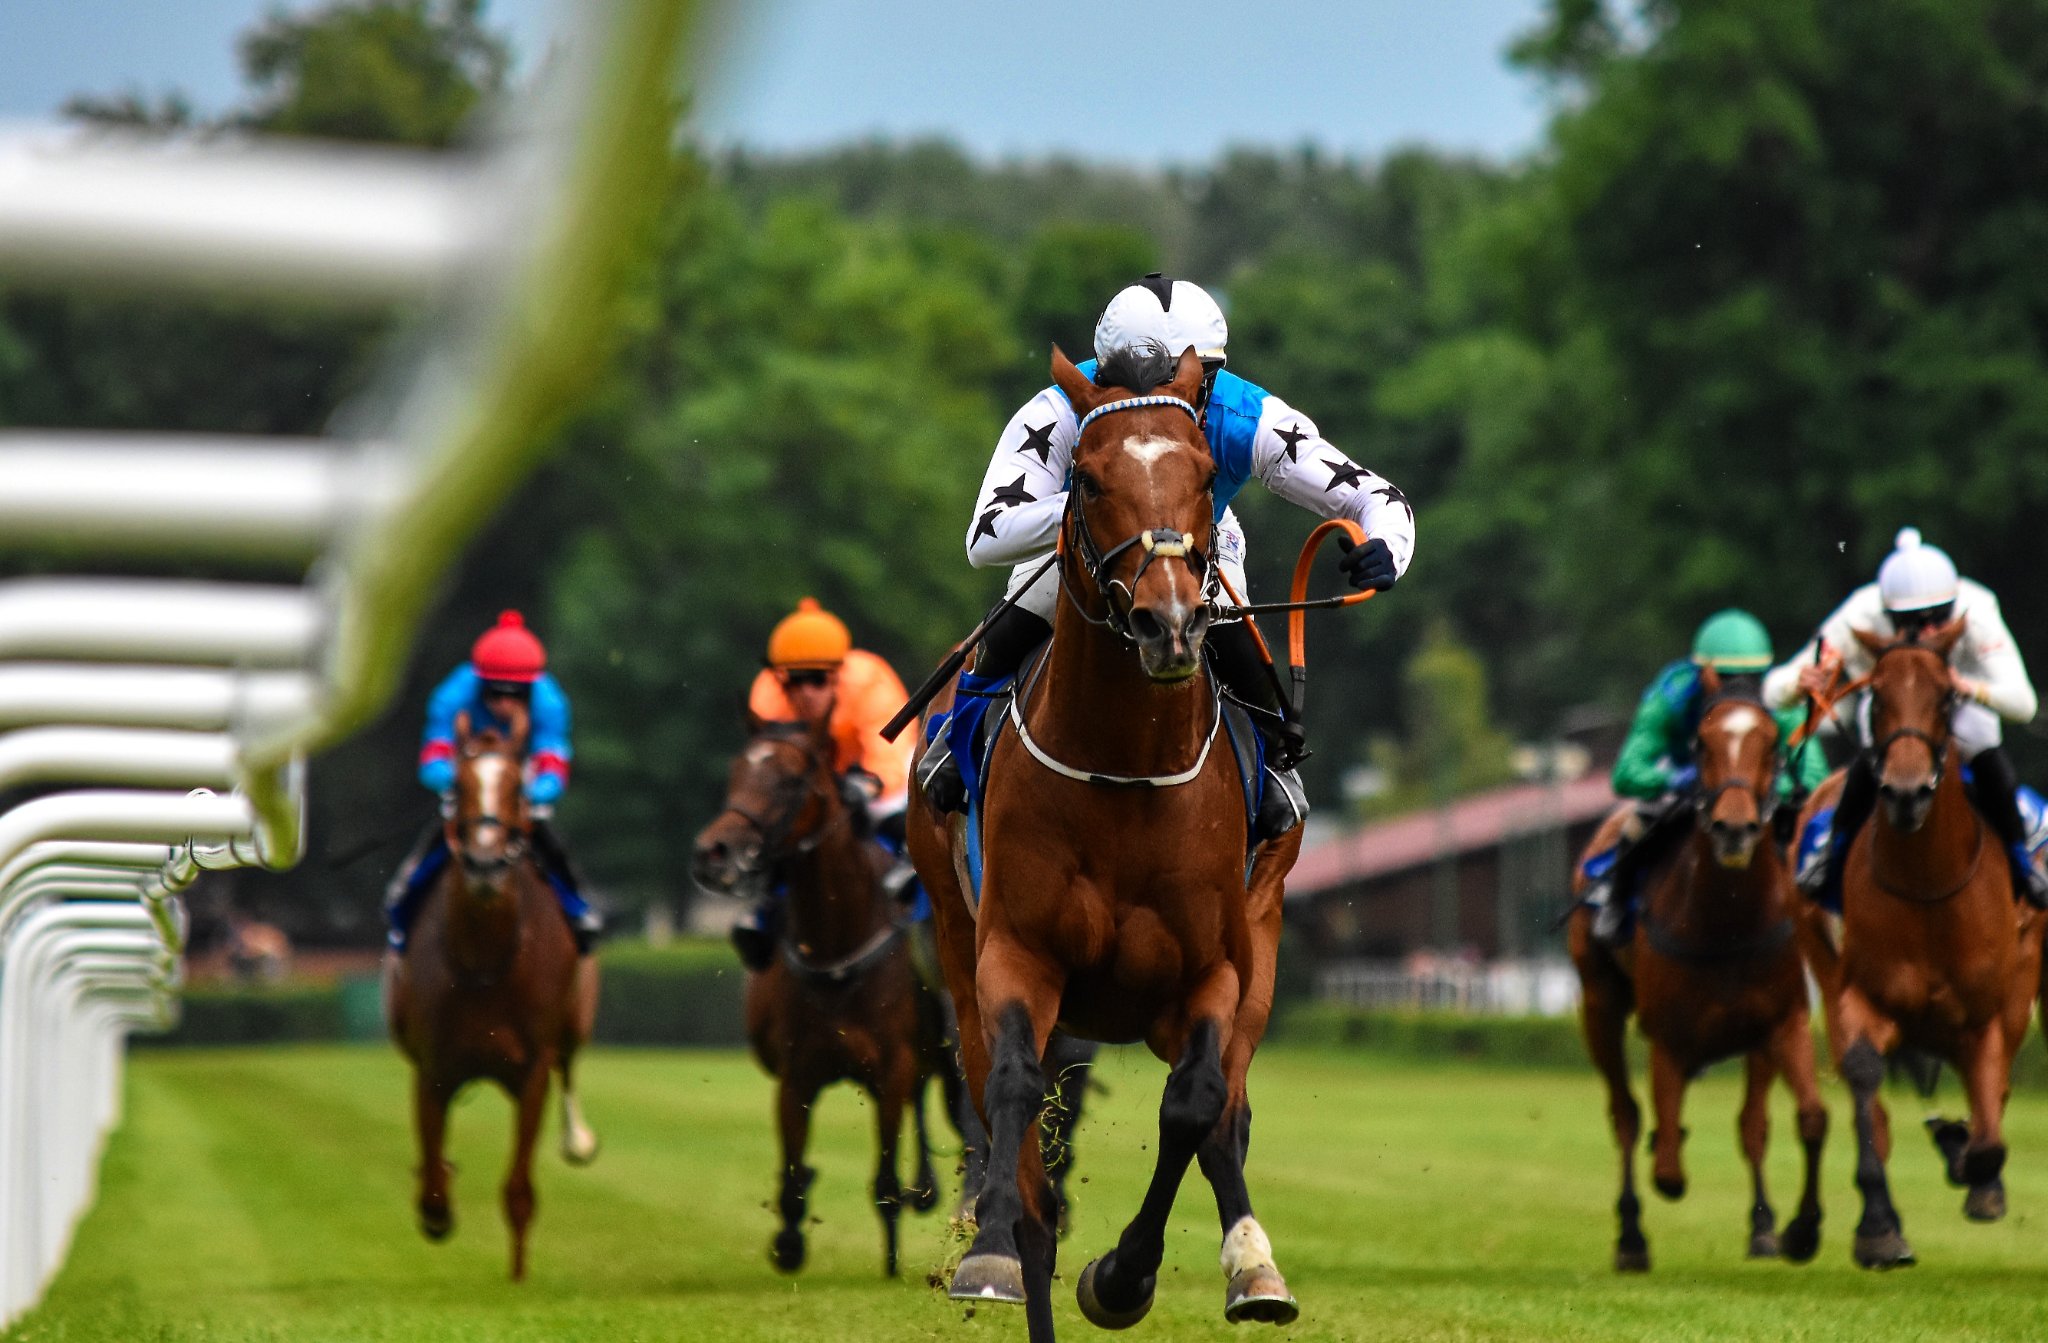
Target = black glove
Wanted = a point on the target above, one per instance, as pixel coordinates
(1368, 566)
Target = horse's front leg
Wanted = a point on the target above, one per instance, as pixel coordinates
(1791, 1047)
(1753, 1131)
(1018, 999)
(1116, 1290)
(890, 1089)
(1987, 1069)
(430, 1119)
(923, 1193)
(1667, 1140)
(532, 1102)
(1605, 1000)
(793, 1098)
(1868, 1035)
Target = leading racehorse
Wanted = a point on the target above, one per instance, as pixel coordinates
(842, 1001)
(1934, 954)
(1714, 970)
(1116, 901)
(487, 987)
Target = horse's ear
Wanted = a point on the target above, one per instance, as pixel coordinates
(461, 728)
(822, 739)
(1081, 393)
(1944, 640)
(1872, 644)
(522, 726)
(1187, 376)
(1710, 681)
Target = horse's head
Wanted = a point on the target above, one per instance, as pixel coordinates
(1140, 517)
(1912, 692)
(779, 796)
(487, 832)
(1736, 753)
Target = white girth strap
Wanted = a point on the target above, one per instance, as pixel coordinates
(1121, 780)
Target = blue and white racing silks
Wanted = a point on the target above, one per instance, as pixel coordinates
(1252, 435)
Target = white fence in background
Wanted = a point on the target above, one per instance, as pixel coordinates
(1533, 988)
(174, 715)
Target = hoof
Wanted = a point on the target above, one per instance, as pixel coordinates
(1950, 1138)
(437, 1224)
(1672, 1188)
(1632, 1261)
(923, 1197)
(1108, 1317)
(1764, 1245)
(580, 1151)
(1986, 1202)
(1259, 1296)
(787, 1253)
(1801, 1241)
(989, 1277)
(1888, 1250)
(1982, 1165)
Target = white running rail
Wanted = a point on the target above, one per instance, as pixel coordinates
(171, 717)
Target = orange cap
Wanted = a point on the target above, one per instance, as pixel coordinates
(810, 638)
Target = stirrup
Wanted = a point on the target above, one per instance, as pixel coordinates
(939, 779)
(1284, 806)
(1611, 923)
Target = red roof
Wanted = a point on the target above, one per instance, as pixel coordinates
(1478, 822)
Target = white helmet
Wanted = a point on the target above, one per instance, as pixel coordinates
(1916, 576)
(1175, 313)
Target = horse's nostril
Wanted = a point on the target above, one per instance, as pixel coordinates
(1146, 625)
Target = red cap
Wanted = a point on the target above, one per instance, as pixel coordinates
(508, 651)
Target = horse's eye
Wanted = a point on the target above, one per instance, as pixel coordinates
(1089, 489)
(1209, 485)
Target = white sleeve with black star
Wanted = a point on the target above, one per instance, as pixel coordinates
(1297, 463)
(1017, 514)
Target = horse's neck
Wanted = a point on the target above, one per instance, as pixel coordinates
(1731, 899)
(833, 907)
(483, 932)
(1935, 855)
(1095, 709)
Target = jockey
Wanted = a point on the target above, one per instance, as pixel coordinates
(815, 674)
(1252, 433)
(506, 668)
(1656, 762)
(1917, 590)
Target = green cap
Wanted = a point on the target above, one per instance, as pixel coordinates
(1732, 641)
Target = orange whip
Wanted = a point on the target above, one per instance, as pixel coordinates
(1297, 605)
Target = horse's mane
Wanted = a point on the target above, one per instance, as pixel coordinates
(1747, 687)
(1137, 368)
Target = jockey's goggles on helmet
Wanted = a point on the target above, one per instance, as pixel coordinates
(802, 678)
(507, 690)
(1911, 624)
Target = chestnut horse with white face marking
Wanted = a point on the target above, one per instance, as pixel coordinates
(841, 1001)
(1934, 952)
(487, 987)
(1714, 971)
(1115, 902)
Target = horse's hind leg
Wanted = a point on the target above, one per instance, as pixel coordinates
(923, 1193)
(1603, 1016)
(1667, 1140)
(579, 1140)
(1791, 1047)
(793, 1116)
(889, 1094)
(430, 1118)
(1880, 1237)
(1070, 1062)
(1986, 1073)
(1116, 1290)
(1753, 1127)
(532, 1100)
(1253, 1288)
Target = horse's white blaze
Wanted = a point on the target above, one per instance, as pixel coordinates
(760, 753)
(490, 769)
(1245, 1247)
(1739, 723)
(579, 1142)
(1150, 449)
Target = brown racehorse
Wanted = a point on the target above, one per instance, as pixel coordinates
(1117, 911)
(1714, 971)
(1934, 954)
(488, 985)
(842, 1002)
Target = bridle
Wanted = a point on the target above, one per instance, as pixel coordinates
(516, 842)
(776, 830)
(1765, 790)
(1938, 746)
(1156, 543)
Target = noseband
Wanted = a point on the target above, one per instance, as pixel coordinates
(1937, 746)
(1157, 543)
(775, 831)
(515, 841)
(1766, 791)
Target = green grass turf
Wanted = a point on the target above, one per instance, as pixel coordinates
(259, 1195)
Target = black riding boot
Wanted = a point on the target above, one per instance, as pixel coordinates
(1249, 679)
(1662, 822)
(1997, 786)
(1852, 809)
(1010, 640)
(585, 923)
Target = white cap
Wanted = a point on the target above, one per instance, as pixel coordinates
(1175, 313)
(1916, 575)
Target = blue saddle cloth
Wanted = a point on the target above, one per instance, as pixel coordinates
(1818, 835)
(980, 715)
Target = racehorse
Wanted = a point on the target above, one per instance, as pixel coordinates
(1714, 971)
(488, 987)
(842, 1001)
(1934, 954)
(1115, 900)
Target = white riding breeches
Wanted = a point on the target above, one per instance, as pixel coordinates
(1042, 597)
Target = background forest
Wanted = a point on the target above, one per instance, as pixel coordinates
(1771, 289)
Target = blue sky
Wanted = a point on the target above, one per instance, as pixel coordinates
(1135, 81)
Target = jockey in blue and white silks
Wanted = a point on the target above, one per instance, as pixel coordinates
(507, 668)
(1253, 435)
